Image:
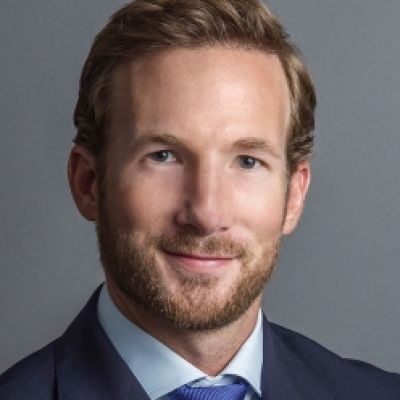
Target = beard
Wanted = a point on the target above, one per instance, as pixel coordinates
(131, 263)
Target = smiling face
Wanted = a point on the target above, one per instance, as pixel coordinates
(195, 197)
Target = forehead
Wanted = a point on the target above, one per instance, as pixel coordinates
(204, 92)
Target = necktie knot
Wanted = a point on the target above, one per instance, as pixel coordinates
(234, 391)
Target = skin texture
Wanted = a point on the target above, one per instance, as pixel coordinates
(195, 196)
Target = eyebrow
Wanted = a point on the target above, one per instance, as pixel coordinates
(243, 144)
(254, 143)
(158, 138)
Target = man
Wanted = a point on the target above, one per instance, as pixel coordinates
(194, 132)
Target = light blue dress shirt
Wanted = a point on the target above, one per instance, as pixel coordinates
(160, 370)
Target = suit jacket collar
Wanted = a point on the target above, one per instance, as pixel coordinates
(87, 365)
(284, 375)
(89, 368)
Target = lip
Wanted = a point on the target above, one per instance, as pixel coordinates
(198, 262)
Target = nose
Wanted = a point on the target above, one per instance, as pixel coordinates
(205, 207)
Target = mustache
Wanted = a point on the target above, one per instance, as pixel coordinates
(212, 246)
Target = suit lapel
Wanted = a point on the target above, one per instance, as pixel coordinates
(87, 365)
(285, 376)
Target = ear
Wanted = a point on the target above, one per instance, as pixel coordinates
(83, 180)
(297, 190)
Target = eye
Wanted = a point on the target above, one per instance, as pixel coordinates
(163, 156)
(247, 162)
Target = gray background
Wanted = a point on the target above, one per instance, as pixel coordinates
(337, 279)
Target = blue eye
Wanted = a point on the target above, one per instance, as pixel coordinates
(163, 156)
(247, 162)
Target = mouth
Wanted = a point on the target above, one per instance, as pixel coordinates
(203, 263)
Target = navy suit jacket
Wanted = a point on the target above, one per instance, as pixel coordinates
(83, 365)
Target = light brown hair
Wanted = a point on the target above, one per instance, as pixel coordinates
(147, 26)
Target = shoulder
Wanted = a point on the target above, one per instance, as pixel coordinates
(32, 378)
(343, 374)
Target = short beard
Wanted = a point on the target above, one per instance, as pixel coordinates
(131, 264)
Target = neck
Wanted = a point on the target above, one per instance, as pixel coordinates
(209, 350)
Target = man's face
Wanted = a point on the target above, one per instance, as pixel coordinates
(193, 198)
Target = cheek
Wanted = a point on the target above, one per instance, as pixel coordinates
(262, 206)
(143, 202)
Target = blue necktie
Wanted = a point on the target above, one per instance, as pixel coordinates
(234, 391)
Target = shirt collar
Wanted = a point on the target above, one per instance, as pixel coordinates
(159, 369)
